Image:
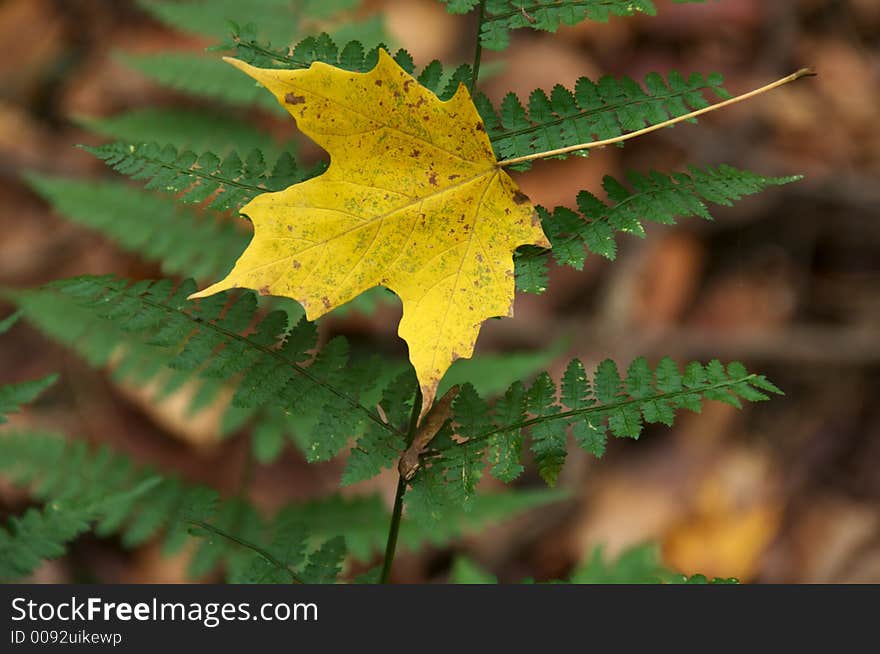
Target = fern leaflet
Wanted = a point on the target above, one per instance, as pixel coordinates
(14, 396)
(42, 534)
(655, 197)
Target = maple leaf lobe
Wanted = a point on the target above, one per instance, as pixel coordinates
(413, 199)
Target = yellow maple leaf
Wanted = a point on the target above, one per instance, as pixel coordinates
(413, 200)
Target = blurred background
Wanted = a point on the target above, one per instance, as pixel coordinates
(786, 281)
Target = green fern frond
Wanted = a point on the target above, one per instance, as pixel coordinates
(376, 450)
(608, 402)
(592, 111)
(277, 20)
(639, 564)
(9, 321)
(14, 396)
(68, 471)
(278, 17)
(325, 563)
(489, 374)
(229, 183)
(155, 227)
(211, 78)
(42, 534)
(655, 197)
(460, 6)
(205, 76)
(134, 502)
(351, 56)
(151, 332)
(195, 130)
(465, 571)
(503, 16)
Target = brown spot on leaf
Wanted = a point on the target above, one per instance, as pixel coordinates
(536, 219)
(479, 127)
(296, 264)
(406, 84)
(378, 82)
(453, 176)
(415, 153)
(326, 302)
(520, 198)
(432, 178)
(264, 290)
(290, 98)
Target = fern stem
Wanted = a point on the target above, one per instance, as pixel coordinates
(397, 513)
(601, 408)
(803, 72)
(478, 51)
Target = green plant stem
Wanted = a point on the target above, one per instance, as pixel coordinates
(478, 51)
(397, 513)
